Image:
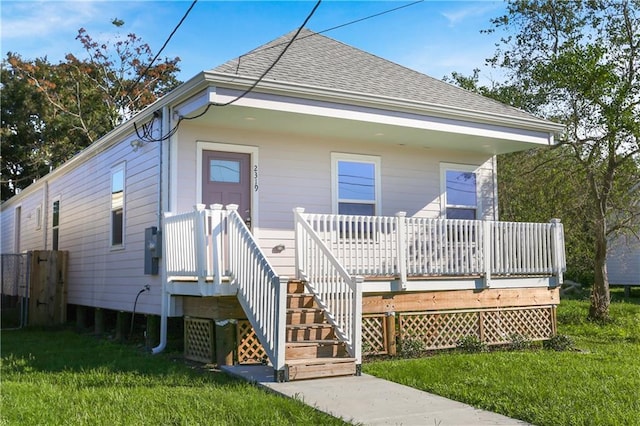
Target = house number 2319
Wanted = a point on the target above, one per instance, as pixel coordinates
(255, 178)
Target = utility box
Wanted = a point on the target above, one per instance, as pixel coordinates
(152, 250)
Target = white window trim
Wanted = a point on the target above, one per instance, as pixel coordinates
(444, 167)
(54, 200)
(17, 228)
(38, 217)
(202, 146)
(121, 166)
(358, 158)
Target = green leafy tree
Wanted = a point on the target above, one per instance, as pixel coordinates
(540, 184)
(52, 111)
(23, 133)
(578, 63)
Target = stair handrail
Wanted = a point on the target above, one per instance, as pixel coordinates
(338, 293)
(261, 292)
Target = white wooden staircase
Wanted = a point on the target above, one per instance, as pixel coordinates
(312, 348)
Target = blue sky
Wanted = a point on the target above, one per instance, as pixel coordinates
(433, 37)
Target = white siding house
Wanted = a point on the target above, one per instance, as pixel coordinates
(330, 129)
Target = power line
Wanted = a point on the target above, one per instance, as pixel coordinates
(253, 86)
(147, 131)
(237, 98)
(146, 70)
(375, 15)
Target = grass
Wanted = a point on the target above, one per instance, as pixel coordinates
(598, 384)
(61, 377)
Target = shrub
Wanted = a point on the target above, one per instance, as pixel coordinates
(518, 342)
(411, 347)
(559, 342)
(471, 344)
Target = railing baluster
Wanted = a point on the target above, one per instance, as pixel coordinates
(378, 246)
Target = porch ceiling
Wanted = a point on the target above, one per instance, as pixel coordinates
(398, 131)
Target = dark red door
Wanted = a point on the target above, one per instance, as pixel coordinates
(226, 179)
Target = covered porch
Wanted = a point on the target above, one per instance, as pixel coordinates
(341, 259)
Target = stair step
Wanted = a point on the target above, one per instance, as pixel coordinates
(316, 368)
(301, 300)
(315, 349)
(305, 315)
(295, 286)
(306, 332)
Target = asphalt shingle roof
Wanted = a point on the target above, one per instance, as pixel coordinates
(316, 60)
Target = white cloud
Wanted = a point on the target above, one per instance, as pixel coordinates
(470, 10)
(25, 19)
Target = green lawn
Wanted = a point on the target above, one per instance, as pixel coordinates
(61, 377)
(599, 384)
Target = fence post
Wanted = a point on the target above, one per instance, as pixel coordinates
(297, 212)
(558, 248)
(486, 244)
(401, 248)
(216, 243)
(391, 333)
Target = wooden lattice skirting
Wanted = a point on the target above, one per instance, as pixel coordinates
(198, 339)
(250, 351)
(374, 334)
(442, 329)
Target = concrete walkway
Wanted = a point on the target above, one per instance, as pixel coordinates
(368, 400)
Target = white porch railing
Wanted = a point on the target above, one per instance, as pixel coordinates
(401, 247)
(261, 292)
(184, 240)
(212, 246)
(339, 293)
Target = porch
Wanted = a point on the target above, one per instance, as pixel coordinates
(211, 252)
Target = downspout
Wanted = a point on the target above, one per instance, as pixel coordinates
(165, 123)
(494, 177)
(45, 213)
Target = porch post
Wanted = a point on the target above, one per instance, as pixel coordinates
(297, 211)
(201, 257)
(357, 320)
(281, 327)
(486, 244)
(557, 237)
(216, 243)
(401, 247)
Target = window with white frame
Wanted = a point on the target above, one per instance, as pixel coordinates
(117, 205)
(38, 214)
(55, 224)
(356, 184)
(459, 191)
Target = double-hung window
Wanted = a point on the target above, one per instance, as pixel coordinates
(117, 205)
(459, 191)
(356, 184)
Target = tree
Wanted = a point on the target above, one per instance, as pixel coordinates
(579, 62)
(540, 184)
(52, 111)
(22, 133)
